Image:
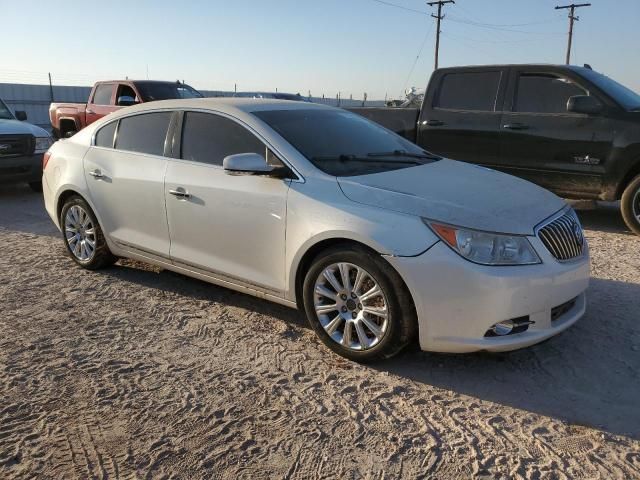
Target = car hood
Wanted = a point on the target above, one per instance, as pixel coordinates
(16, 127)
(458, 194)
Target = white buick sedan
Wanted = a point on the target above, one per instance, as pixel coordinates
(380, 242)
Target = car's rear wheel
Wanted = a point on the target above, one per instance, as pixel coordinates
(83, 236)
(630, 205)
(358, 305)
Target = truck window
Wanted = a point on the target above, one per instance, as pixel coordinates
(104, 137)
(102, 95)
(208, 138)
(125, 91)
(144, 133)
(542, 93)
(475, 91)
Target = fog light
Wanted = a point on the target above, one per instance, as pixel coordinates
(503, 328)
(508, 327)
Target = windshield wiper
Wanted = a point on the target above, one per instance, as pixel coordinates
(404, 153)
(355, 158)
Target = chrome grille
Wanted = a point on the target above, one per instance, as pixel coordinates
(563, 236)
(16, 145)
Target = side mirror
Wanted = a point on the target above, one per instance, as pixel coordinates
(584, 104)
(21, 115)
(252, 164)
(125, 101)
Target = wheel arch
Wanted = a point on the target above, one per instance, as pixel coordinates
(628, 177)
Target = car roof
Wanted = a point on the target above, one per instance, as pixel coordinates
(515, 65)
(230, 105)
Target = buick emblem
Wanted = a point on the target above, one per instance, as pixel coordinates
(577, 232)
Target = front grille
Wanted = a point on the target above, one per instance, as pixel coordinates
(563, 237)
(560, 310)
(16, 145)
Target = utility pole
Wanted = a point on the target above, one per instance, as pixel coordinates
(572, 18)
(438, 17)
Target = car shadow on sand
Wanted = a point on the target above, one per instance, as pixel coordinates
(588, 375)
(22, 210)
(606, 217)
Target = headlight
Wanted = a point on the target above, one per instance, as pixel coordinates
(486, 248)
(43, 144)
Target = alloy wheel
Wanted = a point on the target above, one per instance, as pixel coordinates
(80, 233)
(351, 306)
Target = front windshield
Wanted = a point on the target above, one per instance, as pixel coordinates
(5, 113)
(342, 143)
(626, 97)
(151, 91)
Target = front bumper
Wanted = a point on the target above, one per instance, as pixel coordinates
(458, 301)
(25, 168)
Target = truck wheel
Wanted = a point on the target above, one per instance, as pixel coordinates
(630, 205)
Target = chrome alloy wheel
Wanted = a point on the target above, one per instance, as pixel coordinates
(80, 233)
(635, 205)
(351, 306)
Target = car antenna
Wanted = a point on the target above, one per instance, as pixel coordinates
(586, 65)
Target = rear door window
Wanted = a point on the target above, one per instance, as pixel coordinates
(102, 95)
(542, 93)
(474, 91)
(104, 137)
(209, 138)
(144, 133)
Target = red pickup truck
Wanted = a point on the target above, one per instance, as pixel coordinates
(109, 96)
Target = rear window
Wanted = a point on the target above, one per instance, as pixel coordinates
(475, 91)
(144, 133)
(104, 137)
(102, 95)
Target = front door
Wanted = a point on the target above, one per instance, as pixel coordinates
(126, 183)
(461, 115)
(544, 143)
(231, 226)
(101, 103)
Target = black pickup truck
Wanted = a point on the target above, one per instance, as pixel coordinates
(567, 128)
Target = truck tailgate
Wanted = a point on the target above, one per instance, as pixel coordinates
(403, 121)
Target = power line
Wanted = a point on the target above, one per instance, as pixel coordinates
(415, 62)
(572, 18)
(389, 4)
(438, 18)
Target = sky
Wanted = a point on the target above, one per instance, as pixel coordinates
(321, 46)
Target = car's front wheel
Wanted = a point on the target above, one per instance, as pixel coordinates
(83, 236)
(358, 305)
(630, 205)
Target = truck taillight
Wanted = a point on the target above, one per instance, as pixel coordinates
(45, 159)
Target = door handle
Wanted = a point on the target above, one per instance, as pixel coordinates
(180, 193)
(433, 123)
(96, 174)
(516, 126)
(90, 112)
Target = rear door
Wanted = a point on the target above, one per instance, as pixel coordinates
(460, 118)
(231, 226)
(126, 182)
(101, 102)
(543, 142)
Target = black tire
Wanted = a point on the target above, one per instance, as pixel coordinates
(401, 327)
(101, 256)
(630, 205)
(36, 186)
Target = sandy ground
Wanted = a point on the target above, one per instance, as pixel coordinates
(133, 372)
